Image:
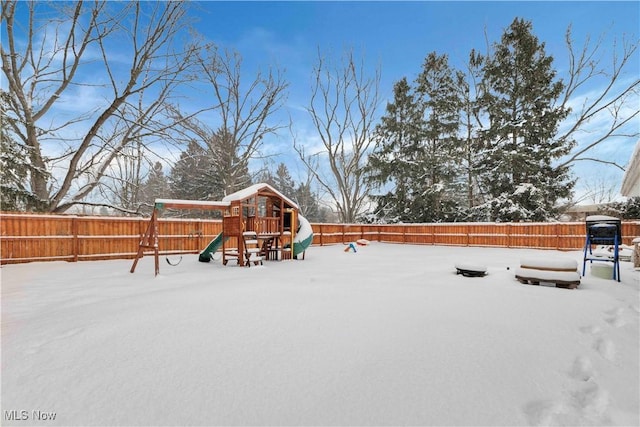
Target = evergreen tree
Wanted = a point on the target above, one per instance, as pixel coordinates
(13, 176)
(225, 165)
(156, 186)
(283, 182)
(418, 151)
(266, 175)
(438, 196)
(191, 176)
(394, 165)
(521, 92)
(14, 168)
(211, 172)
(631, 208)
(308, 203)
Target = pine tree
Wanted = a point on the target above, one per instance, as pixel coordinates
(211, 172)
(156, 185)
(283, 181)
(520, 98)
(13, 175)
(225, 166)
(394, 164)
(308, 203)
(14, 168)
(418, 152)
(191, 176)
(442, 153)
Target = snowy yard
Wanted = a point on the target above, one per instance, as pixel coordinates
(389, 335)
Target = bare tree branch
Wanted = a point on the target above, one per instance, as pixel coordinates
(39, 80)
(616, 95)
(342, 108)
(245, 112)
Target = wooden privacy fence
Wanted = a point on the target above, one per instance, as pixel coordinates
(33, 237)
(561, 236)
(26, 237)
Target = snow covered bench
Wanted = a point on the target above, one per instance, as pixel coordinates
(561, 271)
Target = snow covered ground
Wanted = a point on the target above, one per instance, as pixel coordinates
(389, 335)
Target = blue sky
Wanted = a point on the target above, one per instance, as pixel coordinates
(397, 36)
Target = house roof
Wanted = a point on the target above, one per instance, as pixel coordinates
(262, 189)
(631, 180)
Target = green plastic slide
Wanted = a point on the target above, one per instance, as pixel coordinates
(214, 245)
(303, 238)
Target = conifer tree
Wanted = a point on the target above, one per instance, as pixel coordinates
(442, 151)
(283, 182)
(307, 200)
(13, 175)
(14, 168)
(418, 151)
(394, 164)
(191, 177)
(521, 94)
(156, 186)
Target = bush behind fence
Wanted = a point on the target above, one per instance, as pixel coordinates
(33, 237)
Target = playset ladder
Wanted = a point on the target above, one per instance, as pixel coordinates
(252, 248)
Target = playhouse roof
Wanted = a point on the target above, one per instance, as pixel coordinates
(262, 189)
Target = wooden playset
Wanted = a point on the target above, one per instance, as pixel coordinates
(259, 223)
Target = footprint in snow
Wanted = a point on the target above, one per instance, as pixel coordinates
(592, 330)
(585, 406)
(545, 412)
(592, 402)
(606, 348)
(582, 369)
(615, 317)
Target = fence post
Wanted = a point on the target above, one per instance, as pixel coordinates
(508, 232)
(75, 245)
(466, 226)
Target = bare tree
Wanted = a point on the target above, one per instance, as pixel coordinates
(615, 100)
(601, 190)
(244, 112)
(110, 50)
(343, 106)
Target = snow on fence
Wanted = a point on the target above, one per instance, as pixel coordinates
(33, 237)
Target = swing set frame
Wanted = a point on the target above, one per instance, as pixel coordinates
(150, 238)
